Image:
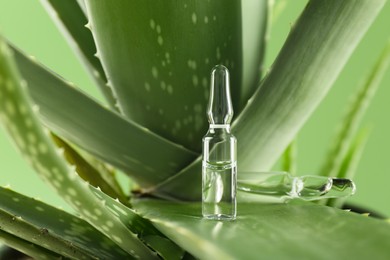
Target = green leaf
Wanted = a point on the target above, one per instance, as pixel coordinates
(145, 231)
(109, 174)
(255, 19)
(316, 50)
(25, 247)
(289, 158)
(53, 229)
(82, 6)
(20, 119)
(271, 231)
(162, 78)
(350, 163)
(277, 9)
(103, 133)
(352, 158)
(88, 172)
(71, 20)
(18, 227)
(292, 90)
(354, 115)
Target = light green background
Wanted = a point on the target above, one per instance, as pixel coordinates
(28, 26)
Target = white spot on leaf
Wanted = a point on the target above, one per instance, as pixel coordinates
(218, 53)
(117, 239)
(204, 82)
(195, 80)
(42, 147)
(154, 72)
(10, 108)
(147, 86)
(31, 137)
(152, 24)
(72, 191)
(194, 18)
(39, 208)
(160, 40)
(163, 85)
(170, 89)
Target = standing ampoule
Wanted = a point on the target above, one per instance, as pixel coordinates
(219, 165)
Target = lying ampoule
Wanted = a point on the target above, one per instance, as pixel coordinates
(285, 187)
(219, 165)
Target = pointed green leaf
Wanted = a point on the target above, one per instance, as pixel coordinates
(162, 78)
(20, 118)
(82, 6)
(350, 163)
(18, 227)
(53, 228)
(145, 231)
(292, 90)
(316, 50)
(255, 19)
(89, 173)
(25, 247)
(277, 9)
(289, 158)
(109, 174)
(353, 156)
(271, 231)
(99, 131)
(70, 19)
(354, 115)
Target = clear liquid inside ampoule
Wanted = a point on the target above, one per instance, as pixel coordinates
(219, 190)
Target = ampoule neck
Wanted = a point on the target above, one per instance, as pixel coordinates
(220, 108)
(219, 128)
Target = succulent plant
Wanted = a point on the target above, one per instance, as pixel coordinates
(151, 60)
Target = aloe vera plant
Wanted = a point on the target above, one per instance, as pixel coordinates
(151, 60)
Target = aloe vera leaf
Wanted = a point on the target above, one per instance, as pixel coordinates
(88, 172)
(141, 154)
(71, 20)
(278, 7)
(20, 118)
(254, 15)
(354, 115)
(322, 40)
(18, 227)
(291, 91)
(350, 163)
(143, 228)
(82, 6)
(289, 158)
(355, 151)
(271, 231)
(163, 55)
(60, 223)
(25, 247)
(163, 246)
(108, 173)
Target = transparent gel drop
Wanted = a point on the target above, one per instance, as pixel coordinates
(219, 167)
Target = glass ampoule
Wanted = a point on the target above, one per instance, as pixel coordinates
(219, 162)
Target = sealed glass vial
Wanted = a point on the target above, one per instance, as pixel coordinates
(219, 163)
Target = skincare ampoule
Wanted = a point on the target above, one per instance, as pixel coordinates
(219, 165)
